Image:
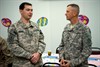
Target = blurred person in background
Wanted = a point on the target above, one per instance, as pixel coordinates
(5, 54)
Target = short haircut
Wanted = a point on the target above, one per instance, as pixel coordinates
(22, 5)
(75, 6)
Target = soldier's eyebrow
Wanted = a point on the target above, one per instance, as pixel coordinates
(29, 9)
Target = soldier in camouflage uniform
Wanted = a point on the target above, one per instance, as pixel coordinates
(5, 55)
(26, 40)
(76, 40)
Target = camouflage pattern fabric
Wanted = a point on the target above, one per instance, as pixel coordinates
(76, 45)
(5, 55)
(24, 40)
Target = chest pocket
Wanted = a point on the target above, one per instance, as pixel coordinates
(28, 33)
(35, 33)
(78, 38)
(21, 34)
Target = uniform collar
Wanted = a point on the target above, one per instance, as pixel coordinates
(24, 25)
(75, 28)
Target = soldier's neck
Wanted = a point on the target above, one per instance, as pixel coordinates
(74, 21)
(26, 21)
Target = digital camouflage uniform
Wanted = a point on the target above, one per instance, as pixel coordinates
(24, 40)
(76, 45)
(5, 55)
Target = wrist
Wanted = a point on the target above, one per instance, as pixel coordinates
(39, 54)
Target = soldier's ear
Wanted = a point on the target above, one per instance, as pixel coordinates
(20, 11)
(74, 13)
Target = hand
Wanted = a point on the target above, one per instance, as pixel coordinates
(35, 58)
(68, 63)
(64, 63)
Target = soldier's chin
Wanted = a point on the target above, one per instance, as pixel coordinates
(29, 18)
(68, 19)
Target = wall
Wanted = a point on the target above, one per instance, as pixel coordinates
(54, 10)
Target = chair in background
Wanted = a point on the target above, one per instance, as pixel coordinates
(51, 65)
(92, 65)
(94, 55)
(95, 50)
(57, 50)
